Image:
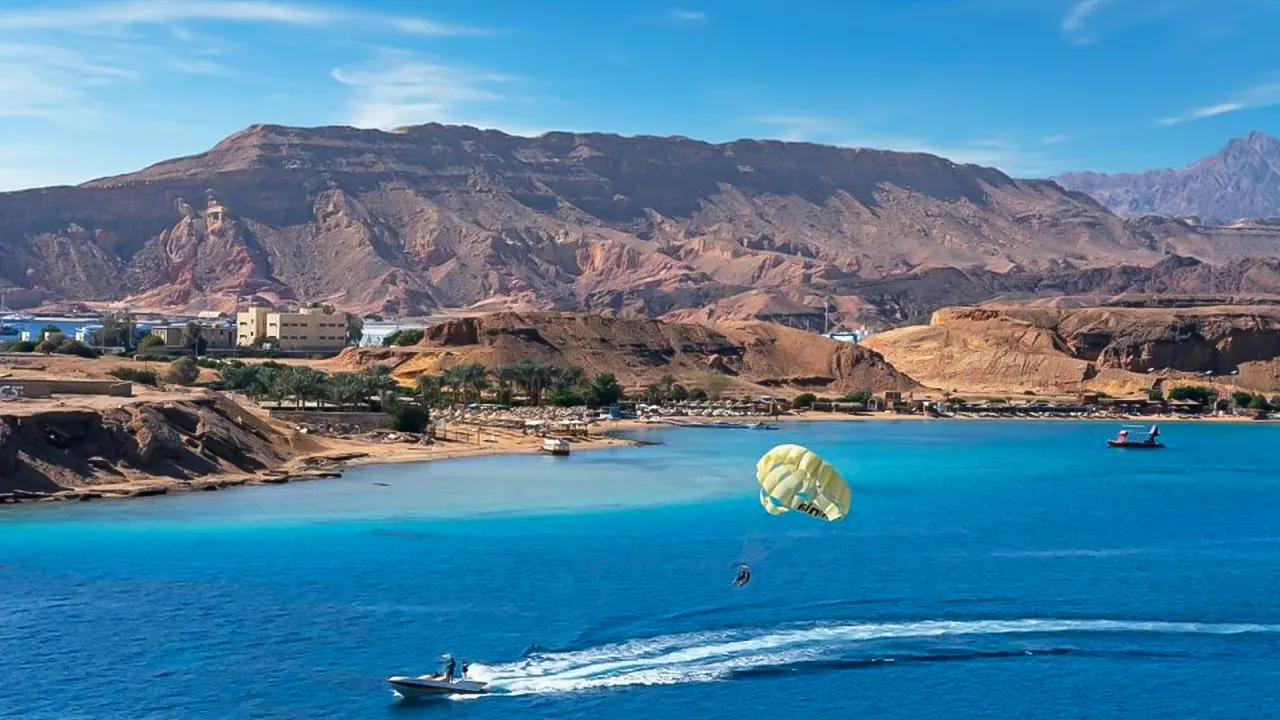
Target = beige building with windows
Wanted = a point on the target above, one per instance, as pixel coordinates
(308, 329)
(218, 337)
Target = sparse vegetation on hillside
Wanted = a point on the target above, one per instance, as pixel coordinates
(143, 377)
(182, 371)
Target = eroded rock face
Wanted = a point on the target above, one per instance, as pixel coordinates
(10, 444)
(186, 439)
(1055, 348)
(152, 437)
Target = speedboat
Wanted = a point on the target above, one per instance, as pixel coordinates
(555, 446)
(434, 686)
(1150, 443)
(1135, 444)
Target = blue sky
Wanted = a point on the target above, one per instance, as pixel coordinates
(1033, 87)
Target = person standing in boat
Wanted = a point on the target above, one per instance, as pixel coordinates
(449, 666)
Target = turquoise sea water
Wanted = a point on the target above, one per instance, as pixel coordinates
(988, 570)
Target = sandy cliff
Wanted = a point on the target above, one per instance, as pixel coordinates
(1103, 348)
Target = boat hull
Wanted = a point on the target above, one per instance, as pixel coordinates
(1134, 445)
(424, 688)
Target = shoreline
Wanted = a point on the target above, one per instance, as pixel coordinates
(338, 456)
(343, 454)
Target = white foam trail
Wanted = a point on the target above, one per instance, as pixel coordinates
(714, 655)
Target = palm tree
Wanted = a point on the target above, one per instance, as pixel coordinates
(531, 375)
(275, 384)
(654, 394)
(193, 337)
(430, 387)
(567, 378)
(667, 386)
(305, 384)
(346, 389)
(604, 389)
(474, 378)
(454, 379)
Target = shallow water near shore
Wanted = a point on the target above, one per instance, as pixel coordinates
(988, 569)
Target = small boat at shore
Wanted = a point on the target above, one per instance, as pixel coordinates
(434, 686)
(1149, 443)
(554, 446)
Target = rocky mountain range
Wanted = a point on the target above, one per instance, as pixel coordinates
(1241, 181)
(431, 218)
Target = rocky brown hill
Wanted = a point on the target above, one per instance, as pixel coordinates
(1241, 181)
(1008, 348)
(435, 217)
(177, 442)
(746, 357)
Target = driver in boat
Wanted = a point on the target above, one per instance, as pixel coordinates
(450, 665)
(744, 576)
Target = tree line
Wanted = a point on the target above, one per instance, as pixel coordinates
(538, 382)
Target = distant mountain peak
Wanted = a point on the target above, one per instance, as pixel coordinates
(1242, 180)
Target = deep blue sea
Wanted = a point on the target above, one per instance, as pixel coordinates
(987, 570)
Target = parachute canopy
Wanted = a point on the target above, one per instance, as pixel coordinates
(793, 477)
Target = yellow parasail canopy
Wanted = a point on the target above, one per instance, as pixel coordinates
(793, 477)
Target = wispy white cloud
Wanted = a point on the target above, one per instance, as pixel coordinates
(404, 90)
(120, 14)
(1079, 14)
(1055, 139)
(1075, 24)
(686, 15)
(53, 83)
(1259, 96)
(197, 66)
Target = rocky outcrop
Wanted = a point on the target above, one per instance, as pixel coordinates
(437, 217)
(1006, 348)
(750, 356)
(53, 450)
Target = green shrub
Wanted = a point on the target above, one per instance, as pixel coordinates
(143, 377)
(46, 346)
(77, 348)
(1198, 393)
(404, 338)
(566, 398)
(698, 395)
(408, 417)
(21, 346)
(182, 371)
(804, 400)
(860, 397)
(150, 341)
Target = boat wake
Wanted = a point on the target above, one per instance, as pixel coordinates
(712, 656)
